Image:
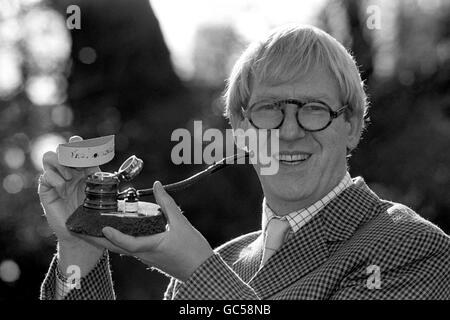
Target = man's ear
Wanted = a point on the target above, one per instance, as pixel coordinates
(354, 130)
(239, 124)
(238, 121)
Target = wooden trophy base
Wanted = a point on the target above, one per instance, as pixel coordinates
(148, 220)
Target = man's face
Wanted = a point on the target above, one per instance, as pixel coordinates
(302, 182)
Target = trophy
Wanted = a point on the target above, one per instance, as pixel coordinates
(106, 204)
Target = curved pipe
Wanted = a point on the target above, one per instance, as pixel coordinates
(183, 184)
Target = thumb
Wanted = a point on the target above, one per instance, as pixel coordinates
(90, 170)
(166, 202)
(132, 244)
(75, 139)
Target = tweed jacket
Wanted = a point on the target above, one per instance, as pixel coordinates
(357, 247)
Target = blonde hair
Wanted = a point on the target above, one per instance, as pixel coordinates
(286, 54)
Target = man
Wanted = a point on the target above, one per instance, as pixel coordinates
(323, 236)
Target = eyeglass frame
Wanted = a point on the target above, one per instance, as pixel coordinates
(299, 104)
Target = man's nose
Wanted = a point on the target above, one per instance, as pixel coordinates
(290, 129)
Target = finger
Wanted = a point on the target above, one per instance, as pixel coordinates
(102, 243)
(42, 184)
(46, 192)
(50, 161)
(130, 243)
(166, 202)
(91, 170)
(54, 180)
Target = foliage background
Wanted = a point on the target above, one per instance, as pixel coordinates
(115, 76)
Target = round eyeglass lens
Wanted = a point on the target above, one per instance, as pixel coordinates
(314, 116)
(267, 116)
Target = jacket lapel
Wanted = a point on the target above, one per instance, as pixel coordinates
(301, 254)
(308, 248)
(353, 207)
(248, 264)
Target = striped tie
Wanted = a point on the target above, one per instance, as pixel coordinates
(275, 235)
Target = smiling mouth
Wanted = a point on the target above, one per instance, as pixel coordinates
(292, 158)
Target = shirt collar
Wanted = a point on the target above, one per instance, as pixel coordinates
(299, 218)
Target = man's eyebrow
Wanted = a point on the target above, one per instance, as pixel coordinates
(316, 97)
(269, 97)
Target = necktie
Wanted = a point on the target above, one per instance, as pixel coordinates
(275, 234)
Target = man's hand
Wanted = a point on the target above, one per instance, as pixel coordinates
(179, 251)
(61, 191)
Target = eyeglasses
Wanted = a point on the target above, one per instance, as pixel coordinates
(311, 116)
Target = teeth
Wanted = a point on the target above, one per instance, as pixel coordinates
(295, 157)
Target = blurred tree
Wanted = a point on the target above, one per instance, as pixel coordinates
(34, 47)
(120, 62)
(402, 153)
(122, 82)
(216, 49)
(346, 21)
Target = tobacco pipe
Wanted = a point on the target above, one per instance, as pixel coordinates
(183, 184)
(101, 205)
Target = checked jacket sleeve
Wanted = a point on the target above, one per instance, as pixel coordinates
(417, 269)
(213, 280)
(96, 285)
